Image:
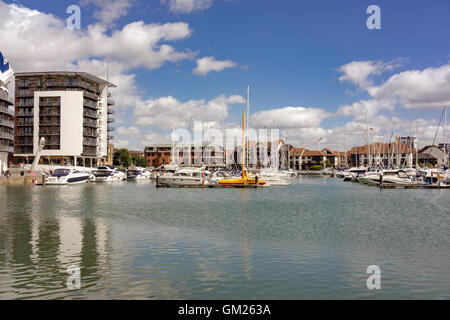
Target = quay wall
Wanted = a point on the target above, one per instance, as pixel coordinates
(19, 179)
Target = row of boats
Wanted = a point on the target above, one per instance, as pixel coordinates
(186, 177)
(170, 175)
(406, 177)
(74, 175)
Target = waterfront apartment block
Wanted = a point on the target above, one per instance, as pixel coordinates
(303, 159)
(382, 154)
(71, 110)
(6, 129)
(158, 155)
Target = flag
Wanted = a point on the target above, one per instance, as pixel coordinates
(6, 71)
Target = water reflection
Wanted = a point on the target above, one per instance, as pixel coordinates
(314, 239)
(42, 234)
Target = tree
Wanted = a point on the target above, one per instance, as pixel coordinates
(139, 161)
(122, 158)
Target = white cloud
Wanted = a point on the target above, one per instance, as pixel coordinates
(35, 41)
(359, 72)
(131, 131)
(289, 117)
(366, 108)
(428, 88)
(166, 112)
(187, 6)
(38, 41)
(109, 10)
(208, 64)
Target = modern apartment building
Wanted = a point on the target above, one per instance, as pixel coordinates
(71, 110)
(6, 129)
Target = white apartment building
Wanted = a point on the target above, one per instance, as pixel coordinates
(71, 110)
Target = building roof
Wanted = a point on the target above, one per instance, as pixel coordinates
(380, 147)
(66, 73)
(434, 151)
(330, 152)
(297, 152)
(309, 153)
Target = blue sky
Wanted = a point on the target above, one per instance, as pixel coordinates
(290, 52)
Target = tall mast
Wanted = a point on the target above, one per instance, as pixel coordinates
(248, 120)
(243, 144)
(445, 137)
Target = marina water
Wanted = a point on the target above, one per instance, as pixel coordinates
(313, 239)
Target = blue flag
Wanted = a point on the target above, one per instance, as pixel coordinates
(6, 71)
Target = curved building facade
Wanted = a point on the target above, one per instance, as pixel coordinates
(6, 129)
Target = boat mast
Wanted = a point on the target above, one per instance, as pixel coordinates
(243, 144)
(248, 121)
(445, 137)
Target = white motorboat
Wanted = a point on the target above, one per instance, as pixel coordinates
(138, 174)
(186, 177)
(64, 176)
(109, 174)
(389, 177)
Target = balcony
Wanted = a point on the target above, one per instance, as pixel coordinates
(23, 84)
(92, 115)
(4, 148)
(58, 83)
(26, 104)
(4, 135)
(7, 111)
(91, 124)
(111, 102)
(49, 123)
(24, 93)
(111, 111)
(25, 114)
(92, 134)
(7, 123)
(111, 128)
(91, 104)
(110, 137)
(90, 142)
(111, 120)
(49, 104)
(5, 97)
(91, 95)
(24, 143)
(44, 132)
(24, 134)
(50, 114)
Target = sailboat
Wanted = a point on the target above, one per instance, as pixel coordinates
(244, 179)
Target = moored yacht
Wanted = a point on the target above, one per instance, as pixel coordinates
(109, 174)
(186, 177)
(138, 174)
(64, 176)
(389, 177)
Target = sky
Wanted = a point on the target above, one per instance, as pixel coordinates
(315, 69)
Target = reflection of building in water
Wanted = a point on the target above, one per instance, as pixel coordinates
(71, 239)
(39, 241)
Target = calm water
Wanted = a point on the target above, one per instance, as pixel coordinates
(313, 239)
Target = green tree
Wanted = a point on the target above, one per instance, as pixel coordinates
(139, 161)
(122, 158)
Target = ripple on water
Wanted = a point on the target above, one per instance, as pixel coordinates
(313, 239)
